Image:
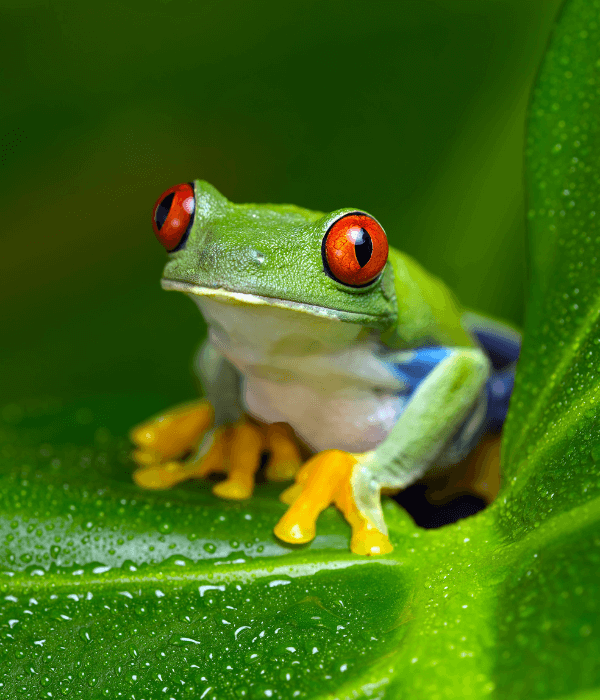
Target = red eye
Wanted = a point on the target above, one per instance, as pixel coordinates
(355, 249)
(173, 216)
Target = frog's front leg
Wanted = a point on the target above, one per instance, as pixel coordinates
(353, 482)
(164, 438)
(234, 446)
(215, 431)
(326, 480)
(235, 450)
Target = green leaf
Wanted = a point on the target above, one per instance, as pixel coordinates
(107, 588)
(110, 591)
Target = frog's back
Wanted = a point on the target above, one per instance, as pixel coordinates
(432, 322)
(428, 311)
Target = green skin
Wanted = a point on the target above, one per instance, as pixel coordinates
(271, 254)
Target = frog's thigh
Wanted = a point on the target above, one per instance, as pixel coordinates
(171, 433)
(325, 480)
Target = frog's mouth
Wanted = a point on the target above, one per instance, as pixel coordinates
(243, 298)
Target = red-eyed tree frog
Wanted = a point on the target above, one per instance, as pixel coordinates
(339, 356)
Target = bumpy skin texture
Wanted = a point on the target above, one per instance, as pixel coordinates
(289, 345)
(272, 250)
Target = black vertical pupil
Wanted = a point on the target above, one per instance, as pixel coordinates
(363, 246)
(162, 210)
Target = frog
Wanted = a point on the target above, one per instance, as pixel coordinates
(331, 355)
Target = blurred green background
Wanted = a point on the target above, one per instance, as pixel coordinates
(413, 110)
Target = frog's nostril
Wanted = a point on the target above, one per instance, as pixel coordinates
(256, 256)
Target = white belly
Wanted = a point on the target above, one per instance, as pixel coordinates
(349, 419)
(313, 373)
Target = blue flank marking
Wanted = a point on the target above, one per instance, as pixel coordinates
(422, 361)
(499, 388)
(503, 353)
(501, 349)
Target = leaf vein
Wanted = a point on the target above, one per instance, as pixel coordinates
(559, 373)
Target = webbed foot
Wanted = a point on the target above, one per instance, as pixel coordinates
(235, 450)
(324, 480)
(172, 433)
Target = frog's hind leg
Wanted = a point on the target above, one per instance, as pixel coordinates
(324, 480)
(478, 474)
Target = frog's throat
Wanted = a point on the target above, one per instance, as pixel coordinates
(228, 296)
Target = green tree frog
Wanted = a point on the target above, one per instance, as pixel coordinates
(340, 357)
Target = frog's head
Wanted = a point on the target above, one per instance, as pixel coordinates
(331, 265)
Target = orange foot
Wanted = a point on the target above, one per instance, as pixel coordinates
(235, 450)
(322, 481)
(478, 474)
(172, 433)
